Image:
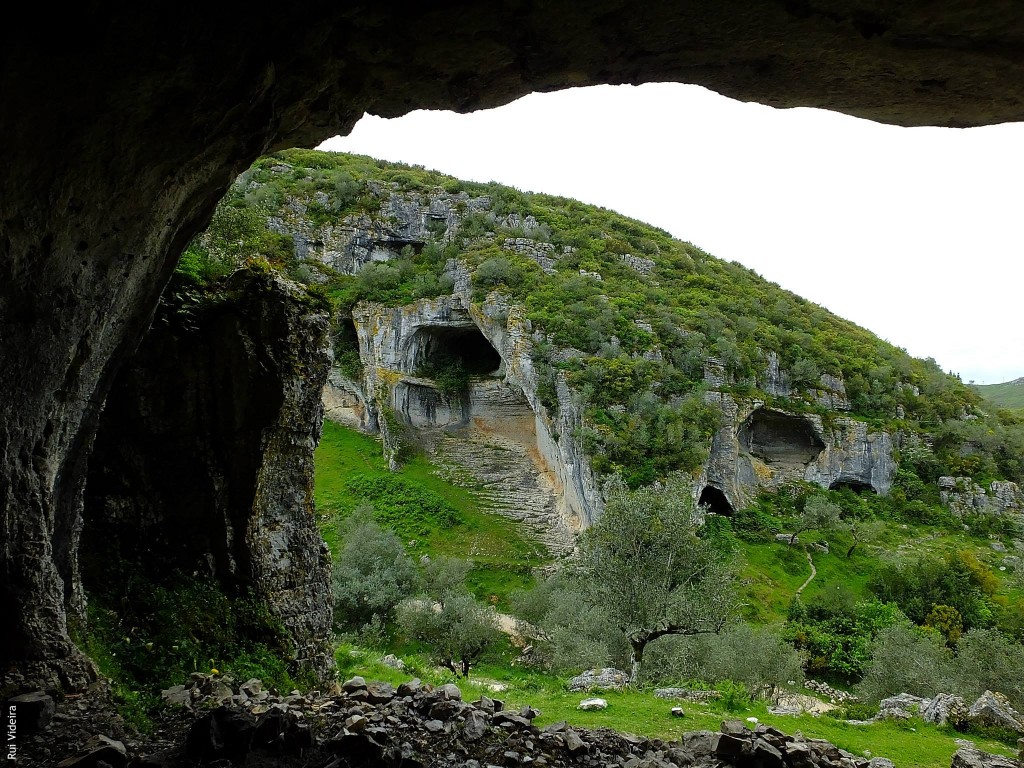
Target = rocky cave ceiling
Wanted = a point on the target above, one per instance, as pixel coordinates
(123, 125)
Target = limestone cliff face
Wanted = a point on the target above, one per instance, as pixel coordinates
(964, 496)
(759, 447)
(204, 457)
(396, 342)
(754, 448)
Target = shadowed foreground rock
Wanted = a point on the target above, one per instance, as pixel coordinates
(367, 725)
(203, 462)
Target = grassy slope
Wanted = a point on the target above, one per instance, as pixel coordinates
(773, 572)
(911, 745)
(1009, 394)
(503, 556)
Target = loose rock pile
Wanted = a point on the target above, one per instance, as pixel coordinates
(991, 709)
(418, 725)
(834, 695)
(361, 724)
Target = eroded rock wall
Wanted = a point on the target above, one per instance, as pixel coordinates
(203, 461)
(757, 447)
(502, 401)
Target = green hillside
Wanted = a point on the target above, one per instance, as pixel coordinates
(1009, 394)
(639, 313)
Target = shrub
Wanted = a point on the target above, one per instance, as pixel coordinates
(373, 573)
(497, 271)
(986, 659)
(567, 634)
(458, 630)
(755, 657)
(905, 659)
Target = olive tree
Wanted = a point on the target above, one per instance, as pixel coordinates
(372, 574)
(645, 564)
(458, 629)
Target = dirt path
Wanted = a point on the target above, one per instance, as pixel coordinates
(814, 572)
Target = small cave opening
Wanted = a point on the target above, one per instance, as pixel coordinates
(857, 486)
(715, 501)
(453, 351)
(345, 343)
(780, 438)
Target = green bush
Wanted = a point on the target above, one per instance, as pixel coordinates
(906, 659)
(403, 506)
(756, 657)
(372, 574)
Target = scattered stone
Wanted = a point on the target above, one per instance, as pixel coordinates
(393, 661)
(476, 726)
(607, 679)
(787, 538)
(177, 695)
(450, 691)
(353, 684)
(410, 687)
(994, 709)
(99, 752)
(590, 705)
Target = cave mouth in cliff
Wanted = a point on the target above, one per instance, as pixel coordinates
(780, 438)
(859, 487)
(716, 501)
(440, 347)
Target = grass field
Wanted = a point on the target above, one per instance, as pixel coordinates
(432, 515)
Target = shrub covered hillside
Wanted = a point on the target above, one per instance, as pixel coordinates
(638, 321)
(634, 335)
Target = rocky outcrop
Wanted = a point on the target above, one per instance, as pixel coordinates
(494, 341)
(972, 757)
(606, 679)
(993, 709)
(963, 496)
(204, 456)
(760, 447)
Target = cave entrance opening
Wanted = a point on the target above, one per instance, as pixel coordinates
(454, 351)
(345, 342)
(780, 438)
(714, 499)
(857, 486)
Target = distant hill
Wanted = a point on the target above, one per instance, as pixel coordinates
(1009, 394)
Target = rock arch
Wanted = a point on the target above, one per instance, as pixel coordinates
(118, 153)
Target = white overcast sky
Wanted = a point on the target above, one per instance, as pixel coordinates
(914, 233)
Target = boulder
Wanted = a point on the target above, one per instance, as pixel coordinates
(34, 711)
(945, 708)
(393, 661)
(902, 706)
(606, 679)
(993, 709)
(591, 705)
(969, 757)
